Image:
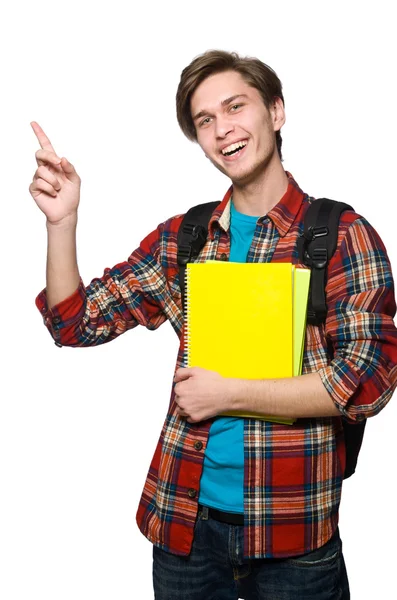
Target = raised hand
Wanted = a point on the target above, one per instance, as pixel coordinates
(56, 185)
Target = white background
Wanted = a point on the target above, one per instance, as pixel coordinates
(78, 427)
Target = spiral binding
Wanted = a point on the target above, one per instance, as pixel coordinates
(187, 313)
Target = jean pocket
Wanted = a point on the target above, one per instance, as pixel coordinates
(321, 557)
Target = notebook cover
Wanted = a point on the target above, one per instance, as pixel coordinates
(240, 320)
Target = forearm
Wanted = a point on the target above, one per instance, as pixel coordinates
(62, 270)
(295, 397)
(134, 292)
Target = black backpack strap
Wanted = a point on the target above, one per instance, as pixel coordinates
(316, 247)
(192, 235)
(354, 433)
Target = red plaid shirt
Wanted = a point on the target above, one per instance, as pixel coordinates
(293, 473)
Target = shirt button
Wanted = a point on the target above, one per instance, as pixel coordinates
(223, 256)
(56, 320)
(192, 493)
(198, 445)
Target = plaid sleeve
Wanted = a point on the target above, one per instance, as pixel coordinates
(134, 292)
(360, 295)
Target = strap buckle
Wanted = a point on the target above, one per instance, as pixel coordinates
(198, 236)
(184, 255)
(319, 258)
(316, 232)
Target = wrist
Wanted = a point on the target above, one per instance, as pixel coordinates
(248, 395)
(238, 393)
(67, 223)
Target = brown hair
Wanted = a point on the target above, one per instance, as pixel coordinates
(256, 73)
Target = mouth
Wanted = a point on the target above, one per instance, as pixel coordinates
(234, 151)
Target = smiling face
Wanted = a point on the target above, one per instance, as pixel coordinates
(234, 128)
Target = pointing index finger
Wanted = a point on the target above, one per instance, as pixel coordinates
(41, 136)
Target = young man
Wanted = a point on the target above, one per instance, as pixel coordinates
(237, 507)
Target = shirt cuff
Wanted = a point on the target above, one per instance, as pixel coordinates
(64, 314)
(341, 382)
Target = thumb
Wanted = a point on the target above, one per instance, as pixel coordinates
(69, 170)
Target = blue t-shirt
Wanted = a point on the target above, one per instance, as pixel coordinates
(222, 480)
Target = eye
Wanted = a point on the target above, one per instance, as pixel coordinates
(205, 121)
(235, 107)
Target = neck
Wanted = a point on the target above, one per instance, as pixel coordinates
(258, 197)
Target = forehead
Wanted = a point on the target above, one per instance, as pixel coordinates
(216, 88)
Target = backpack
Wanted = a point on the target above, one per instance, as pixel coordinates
(315, 247)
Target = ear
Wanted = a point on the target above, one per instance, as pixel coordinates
(278, 113)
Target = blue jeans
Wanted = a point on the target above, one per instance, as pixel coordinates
(216, 570)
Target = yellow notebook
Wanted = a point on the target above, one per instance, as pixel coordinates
(240, 320)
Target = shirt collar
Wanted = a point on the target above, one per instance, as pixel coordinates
(282, 214)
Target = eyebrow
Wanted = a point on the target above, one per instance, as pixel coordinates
(223, 103)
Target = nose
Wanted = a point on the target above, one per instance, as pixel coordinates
(223, 126)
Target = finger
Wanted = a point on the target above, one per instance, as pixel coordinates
(183, 373)
(182, 413)
(44, 173)
(179, 390)
(69, 170)
(39, 185)
(178, 406)
(41, 136)
(46, 156)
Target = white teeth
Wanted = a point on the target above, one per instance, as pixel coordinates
(234, 147)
